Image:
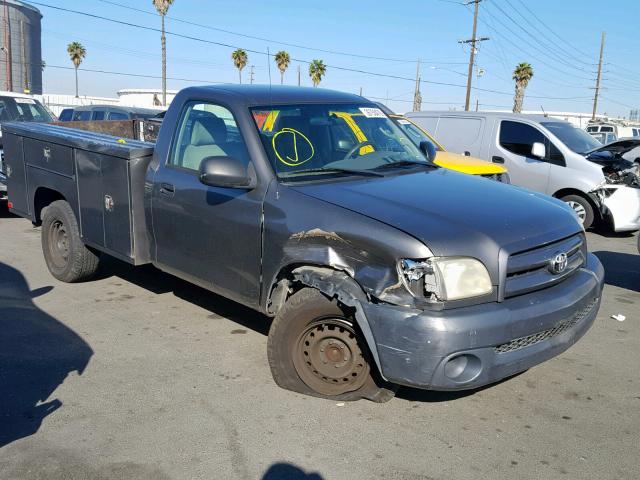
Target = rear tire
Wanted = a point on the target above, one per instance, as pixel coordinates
(67, 257)
(316, 349)
(582, 207)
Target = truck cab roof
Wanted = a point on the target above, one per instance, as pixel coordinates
(257, 95)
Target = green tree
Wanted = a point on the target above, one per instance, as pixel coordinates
(76, 53)
(282, 60)
(522, 74)
(240, 59)
(317, 70)
(162, 6)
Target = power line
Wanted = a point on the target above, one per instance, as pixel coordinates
(544, 24)
(524, 41)
(125, 74)
(552, 43)
(270, 40)
(545, 54)
(335, 67)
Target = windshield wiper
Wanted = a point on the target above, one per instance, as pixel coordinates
(405, 163)
(369, 173)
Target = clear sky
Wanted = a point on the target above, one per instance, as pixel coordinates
(560, 38)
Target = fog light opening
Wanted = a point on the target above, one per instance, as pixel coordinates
(463, 368)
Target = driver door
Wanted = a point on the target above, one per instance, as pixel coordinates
(514, 143)
(210, 236)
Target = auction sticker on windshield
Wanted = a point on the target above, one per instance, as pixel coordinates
(371, 112)
(30, 101)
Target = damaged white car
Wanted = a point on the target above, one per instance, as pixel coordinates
(618, 196)
(549, 155)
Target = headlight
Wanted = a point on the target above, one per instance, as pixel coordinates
(446, 278)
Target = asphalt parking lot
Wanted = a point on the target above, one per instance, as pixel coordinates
(141, 375)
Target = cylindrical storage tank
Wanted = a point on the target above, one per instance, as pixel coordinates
(20, 51)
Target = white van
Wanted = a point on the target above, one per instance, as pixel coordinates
(550, 156)
(610, 132)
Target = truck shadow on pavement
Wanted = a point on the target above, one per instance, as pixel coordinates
(158, 282)
(37, 352)
(621, 269)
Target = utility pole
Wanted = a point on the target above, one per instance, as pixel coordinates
(598, 78)
(360, 91)
(298, 74)
(251, 75)
(417, 96)
(472, 41)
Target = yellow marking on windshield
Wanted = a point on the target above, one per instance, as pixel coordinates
(270, 121)
(360, 136)
(295, 161)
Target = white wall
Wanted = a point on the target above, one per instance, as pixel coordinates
(57, 103)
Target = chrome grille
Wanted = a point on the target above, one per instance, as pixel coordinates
(561, 327)
(530, 270)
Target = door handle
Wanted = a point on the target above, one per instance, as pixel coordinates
(496, 159)
(167, 189)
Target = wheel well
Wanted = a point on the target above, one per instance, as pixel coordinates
(44, 197)
(572, 191)
(287, 282)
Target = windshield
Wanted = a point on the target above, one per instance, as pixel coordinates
(415, 133)
(332, 139)
(22, 110)
(574, 138)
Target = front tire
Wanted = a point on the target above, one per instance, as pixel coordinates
(316, 349)
(582, 207)
(67, 257)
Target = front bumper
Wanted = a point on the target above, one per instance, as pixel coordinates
(621, 205)
(468, 347)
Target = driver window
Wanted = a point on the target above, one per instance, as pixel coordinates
(519, 137)
(206, 130)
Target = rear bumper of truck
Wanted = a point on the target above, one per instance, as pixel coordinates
(469, 347)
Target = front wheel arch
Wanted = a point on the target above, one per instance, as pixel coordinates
(595, 213)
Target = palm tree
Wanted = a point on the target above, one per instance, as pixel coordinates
(240, 59)
(522, 74)
(282, 60)
(77, 53)
(162, 6)
(317, 70)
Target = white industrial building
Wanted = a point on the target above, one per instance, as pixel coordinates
(129, 97)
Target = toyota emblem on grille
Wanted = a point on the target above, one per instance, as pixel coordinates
(558, 263)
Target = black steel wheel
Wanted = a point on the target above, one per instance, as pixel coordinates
(67, 257)
(315, 347)
(58, 243)
(328, 358)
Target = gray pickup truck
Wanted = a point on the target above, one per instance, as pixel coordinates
(379, 268)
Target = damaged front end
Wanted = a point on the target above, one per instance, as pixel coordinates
(618, 197)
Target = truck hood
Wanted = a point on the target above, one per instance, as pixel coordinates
(453, 213)
(464, 164)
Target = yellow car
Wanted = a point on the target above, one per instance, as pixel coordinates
(452, 161)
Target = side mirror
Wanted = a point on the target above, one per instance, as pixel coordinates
(538, 150)
(429, 149)
(220, 171)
